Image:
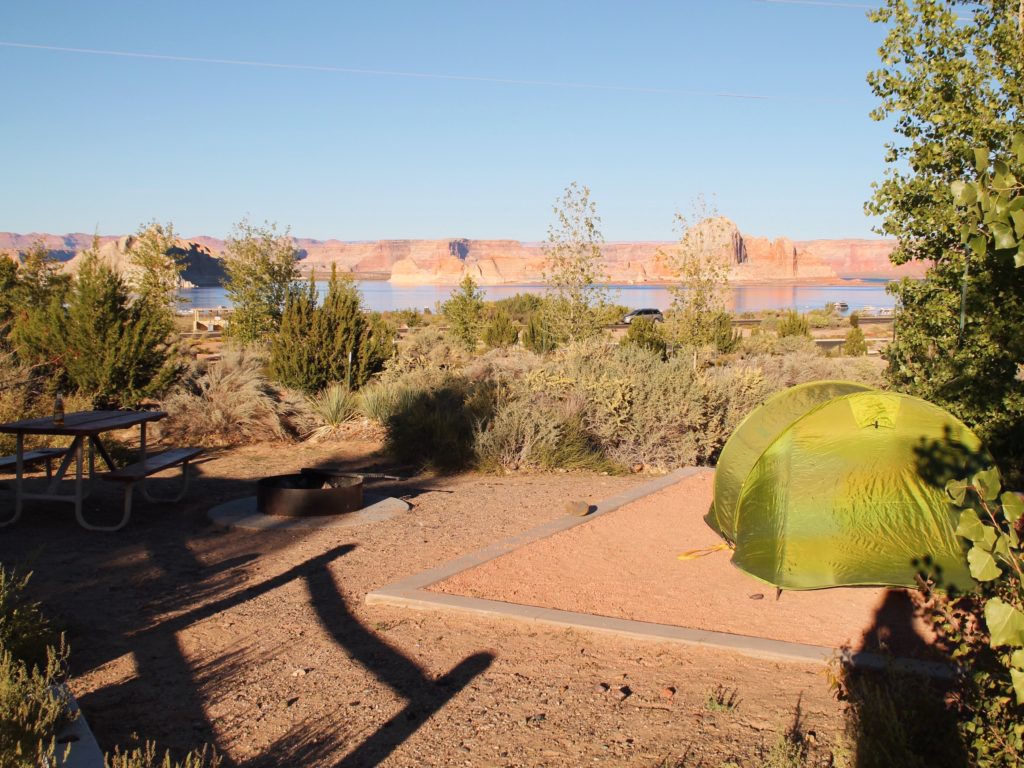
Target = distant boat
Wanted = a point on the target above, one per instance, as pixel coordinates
(842, 306)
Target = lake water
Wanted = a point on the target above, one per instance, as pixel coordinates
(381, 295)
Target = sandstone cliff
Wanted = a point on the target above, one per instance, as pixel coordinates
(497, 262)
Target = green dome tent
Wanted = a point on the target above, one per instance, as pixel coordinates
(834, 484)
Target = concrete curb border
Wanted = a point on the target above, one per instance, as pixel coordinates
(412, 592)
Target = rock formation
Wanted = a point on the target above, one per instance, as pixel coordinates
(497, 262)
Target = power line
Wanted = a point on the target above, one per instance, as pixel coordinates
(421, 75)
(823, 3)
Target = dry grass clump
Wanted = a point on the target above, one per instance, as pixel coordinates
(230, 402)
(146, 757)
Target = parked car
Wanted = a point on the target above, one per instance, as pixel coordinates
(650, 314)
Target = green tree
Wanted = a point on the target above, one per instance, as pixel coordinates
(952, 82)
(98, 341)
(155, 264)
(333, 343)
(700, 263)
(574, 272)
(462, 311)
(261, 272)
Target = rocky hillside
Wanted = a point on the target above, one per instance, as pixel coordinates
(496, 262)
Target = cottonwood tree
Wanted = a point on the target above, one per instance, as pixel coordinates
(700, 265)
(952, 84)
(155, 264)
(574, 272)
(261, 271)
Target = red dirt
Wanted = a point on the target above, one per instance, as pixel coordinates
(625, 564)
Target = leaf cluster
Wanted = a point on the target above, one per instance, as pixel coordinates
(261, 272)
(986, 629)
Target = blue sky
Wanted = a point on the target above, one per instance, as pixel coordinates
(105, 142)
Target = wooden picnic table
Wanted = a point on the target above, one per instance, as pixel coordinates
(85, 428)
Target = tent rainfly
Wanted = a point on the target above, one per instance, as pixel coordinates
(833, 484)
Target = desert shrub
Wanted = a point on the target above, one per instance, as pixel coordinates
(642, 410)
(523, 435)
(229, 402)
(146, 757)
(410, 318)
(855, 344)
(828, 317)
(33, 663)
(792, 324)
(518, 307)
(427, 348)
(24, 631)
(644, 333)
(436, 425)
(537, 337)
(33, 707)
(723, 336)
(333, 343)
(501, 331)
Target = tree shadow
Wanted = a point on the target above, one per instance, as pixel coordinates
(126, 598)
(898, 715)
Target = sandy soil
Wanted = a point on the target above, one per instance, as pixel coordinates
(261, 644)
(625, 564)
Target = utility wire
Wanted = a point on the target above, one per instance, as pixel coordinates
(421, 75)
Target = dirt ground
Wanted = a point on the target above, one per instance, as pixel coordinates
(626, 564)
(260, 642)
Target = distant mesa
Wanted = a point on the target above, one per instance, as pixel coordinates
(497, 262)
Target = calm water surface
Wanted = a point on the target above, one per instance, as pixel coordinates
(380, 295)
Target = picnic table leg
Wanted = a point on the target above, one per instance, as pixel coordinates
(79, 491)
(19, 478)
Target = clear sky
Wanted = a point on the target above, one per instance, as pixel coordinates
(436, 118)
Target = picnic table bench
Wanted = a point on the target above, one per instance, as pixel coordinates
(34, 457)
(140, 470)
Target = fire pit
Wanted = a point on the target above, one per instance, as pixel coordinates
(310, 494)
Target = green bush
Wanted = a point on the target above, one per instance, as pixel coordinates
(855, 344)
(518, 307)
(793, 324)
(333, 343)
(644, 333)
(536, 336)
(501, 331)
(436, 426)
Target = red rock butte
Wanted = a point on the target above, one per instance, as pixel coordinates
(497, 262)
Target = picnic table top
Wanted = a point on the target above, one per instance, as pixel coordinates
(82, 423)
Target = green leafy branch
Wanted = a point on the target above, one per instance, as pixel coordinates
(994, 205)
(990, 521)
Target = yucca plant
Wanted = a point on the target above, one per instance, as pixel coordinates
(335, 406)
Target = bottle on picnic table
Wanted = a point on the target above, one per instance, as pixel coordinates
(58, 410)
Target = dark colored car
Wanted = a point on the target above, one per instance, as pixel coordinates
(650, 314)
